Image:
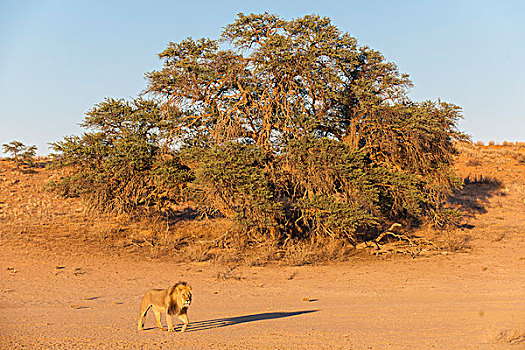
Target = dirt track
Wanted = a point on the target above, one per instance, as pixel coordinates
(57, 297)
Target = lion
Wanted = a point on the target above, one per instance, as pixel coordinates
(173, 301)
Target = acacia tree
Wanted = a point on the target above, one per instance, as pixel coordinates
(20, 152)
(288, 126)
(341, 146)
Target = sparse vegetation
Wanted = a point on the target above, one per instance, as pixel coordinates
(21, 154)
(485, 180)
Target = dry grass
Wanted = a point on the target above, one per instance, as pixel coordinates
(515, 187)
(474, 162)
(315, 251)
(224, 273)
(195, 252)
(504, 143)
(455, 241)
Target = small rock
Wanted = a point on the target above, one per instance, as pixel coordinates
(78, 271)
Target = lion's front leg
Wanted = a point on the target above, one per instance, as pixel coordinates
(184, 318)
(170, 323)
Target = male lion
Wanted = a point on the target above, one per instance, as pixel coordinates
(173, 301)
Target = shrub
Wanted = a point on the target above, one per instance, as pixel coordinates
(119, 165)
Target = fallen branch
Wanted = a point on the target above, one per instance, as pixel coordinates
(413, 246)
(375, 242)
(389, 232)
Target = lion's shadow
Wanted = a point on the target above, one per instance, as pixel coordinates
(230, 321)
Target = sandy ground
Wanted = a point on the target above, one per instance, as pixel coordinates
(458, 301)
(55, 296)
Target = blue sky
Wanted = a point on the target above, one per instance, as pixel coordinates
(59, 58)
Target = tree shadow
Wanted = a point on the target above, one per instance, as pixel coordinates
(230, 321)
(473, 198)
(189, 213)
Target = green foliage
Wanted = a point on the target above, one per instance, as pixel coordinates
(293, 130)
(21, 153)
(333, 187)
(236, 180)
(119, 164)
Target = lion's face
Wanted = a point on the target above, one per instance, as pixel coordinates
(184, 296)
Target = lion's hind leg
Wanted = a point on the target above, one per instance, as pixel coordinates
(144, 307)
(157, 319)
(142, 318)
